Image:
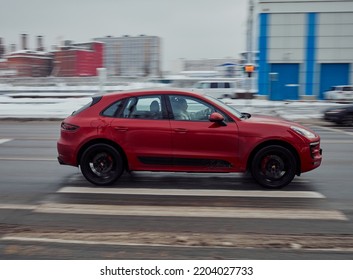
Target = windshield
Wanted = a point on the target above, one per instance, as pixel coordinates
(234, 111)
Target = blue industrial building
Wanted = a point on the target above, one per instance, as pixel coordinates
(305, 47)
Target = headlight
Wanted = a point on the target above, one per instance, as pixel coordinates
(303, 132)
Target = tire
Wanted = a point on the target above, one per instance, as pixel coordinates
(101, 164)
(347, 120)
(274, 167)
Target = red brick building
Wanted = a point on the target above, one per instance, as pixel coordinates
(81, 59)
(27, 63)
(4, 69)
(70, 60)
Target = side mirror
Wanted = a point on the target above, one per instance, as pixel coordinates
(216, 117)
(246, 115)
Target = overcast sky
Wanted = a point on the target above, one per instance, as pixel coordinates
(190, 29)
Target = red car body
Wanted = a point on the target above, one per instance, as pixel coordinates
(118, 132)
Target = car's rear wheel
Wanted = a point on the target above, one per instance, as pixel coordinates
(274, 167)
(101, 164)
(347, 120)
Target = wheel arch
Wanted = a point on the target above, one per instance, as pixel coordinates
(103, 141)
(278, 143)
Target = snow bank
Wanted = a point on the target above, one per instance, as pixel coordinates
(46, 104)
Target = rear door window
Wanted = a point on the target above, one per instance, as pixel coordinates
(144, 107)
(113, 109)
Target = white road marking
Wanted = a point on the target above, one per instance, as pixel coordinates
(18, 207)
(2, 141)
(333, 141)
(188, 192)
(27, 159)
(154, 244)
(37, 138)
(85, 242)
(190, 211)
(185, 211)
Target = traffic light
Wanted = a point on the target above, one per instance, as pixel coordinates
(249, 69)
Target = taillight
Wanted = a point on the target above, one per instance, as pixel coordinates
(69, 127)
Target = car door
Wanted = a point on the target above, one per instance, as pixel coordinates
(201, 145)
(348, 92)
(142, 129)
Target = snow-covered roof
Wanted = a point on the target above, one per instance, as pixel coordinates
(31, 52)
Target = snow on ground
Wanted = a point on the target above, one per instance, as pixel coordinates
(39, 108)
(62, 87)
(28, 103)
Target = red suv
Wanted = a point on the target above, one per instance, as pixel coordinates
(171, 130)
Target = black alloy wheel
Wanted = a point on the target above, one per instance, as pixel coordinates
(101, 164)
(274, 167)
(347, 120)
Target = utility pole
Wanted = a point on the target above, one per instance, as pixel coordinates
(249, 67)
(249, 33)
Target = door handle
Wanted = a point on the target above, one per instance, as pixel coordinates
(121, 128)
(180, 130)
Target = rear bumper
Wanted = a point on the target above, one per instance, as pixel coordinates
(66, 156)
(61, 161)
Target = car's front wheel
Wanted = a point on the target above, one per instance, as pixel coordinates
(101, 164)
(274, 167)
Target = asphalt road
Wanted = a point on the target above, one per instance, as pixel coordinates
(48, 211)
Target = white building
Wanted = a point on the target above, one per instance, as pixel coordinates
(305, 47)
(214, 67)
(132, 56)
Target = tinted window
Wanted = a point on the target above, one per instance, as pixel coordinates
(113, 109)
(214, 85)
(94, 100)
(129, 107)
(191, 109)
(225, 106)
(144, 107)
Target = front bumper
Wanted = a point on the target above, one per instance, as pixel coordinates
(312, 157)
